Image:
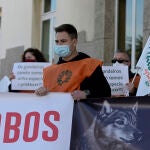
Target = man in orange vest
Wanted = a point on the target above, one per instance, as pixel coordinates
(75, 71)
(121, 58)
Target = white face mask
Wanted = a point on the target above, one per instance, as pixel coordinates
(118, 64)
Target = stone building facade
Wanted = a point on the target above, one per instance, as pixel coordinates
(96, 38)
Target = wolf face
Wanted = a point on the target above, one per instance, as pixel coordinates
(111, 129)
(120, 124)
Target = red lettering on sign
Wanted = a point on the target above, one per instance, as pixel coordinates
(47, 121)
(12, 127)
(30, 126)
(36, 116)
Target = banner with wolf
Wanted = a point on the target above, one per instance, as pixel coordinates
(111, 124)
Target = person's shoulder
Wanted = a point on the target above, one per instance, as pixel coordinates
(83, 55)
(80, 56)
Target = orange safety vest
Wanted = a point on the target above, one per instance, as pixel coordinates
(136, 81)
(67, 77)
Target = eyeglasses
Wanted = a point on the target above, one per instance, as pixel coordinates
(119, 61)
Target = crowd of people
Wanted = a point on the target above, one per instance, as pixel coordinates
(82, 76)
(76, 72)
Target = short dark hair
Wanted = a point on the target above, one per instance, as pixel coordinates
(70, 29)
(35, 52)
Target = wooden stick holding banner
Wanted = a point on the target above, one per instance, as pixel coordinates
(138, 68)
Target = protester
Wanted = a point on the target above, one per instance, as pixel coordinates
(29, 55)
(121, 58)
(75, 71)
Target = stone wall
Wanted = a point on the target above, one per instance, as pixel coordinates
(12, 55)
(102, 46)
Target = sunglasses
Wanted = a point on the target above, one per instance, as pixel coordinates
(119, 61)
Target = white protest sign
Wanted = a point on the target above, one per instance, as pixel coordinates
(28, 76)
(30, 122)
(117, 77)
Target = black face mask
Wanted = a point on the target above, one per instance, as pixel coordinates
(119, 61)
(29, 60)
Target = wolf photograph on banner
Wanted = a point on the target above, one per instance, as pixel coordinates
(113, 127)
(117, 124)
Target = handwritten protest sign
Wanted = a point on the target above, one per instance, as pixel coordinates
(117, 77)
(28, 76)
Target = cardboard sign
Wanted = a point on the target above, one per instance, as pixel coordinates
(28, 76)
(117, 77)
(32, 122)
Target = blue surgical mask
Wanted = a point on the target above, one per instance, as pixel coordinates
(62, 50)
